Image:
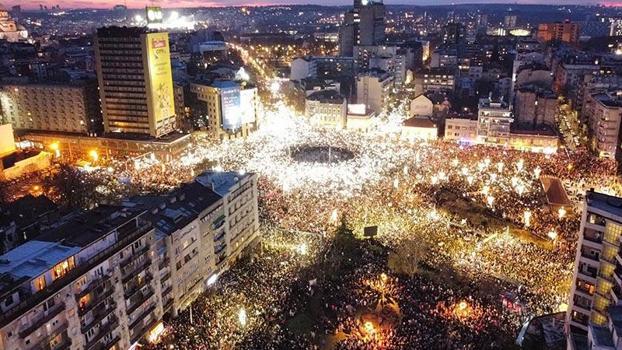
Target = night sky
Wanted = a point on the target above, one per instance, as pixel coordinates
(199, 3)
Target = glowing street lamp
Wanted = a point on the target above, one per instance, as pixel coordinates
(537, 171)
(369, 327)
(54, 146)
(242, 317)
(302, 249)
(94, 155)
(527, 217)
(561, 212)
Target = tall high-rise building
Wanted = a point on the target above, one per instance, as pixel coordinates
(597, 281)
(135, 81)
(363, 25)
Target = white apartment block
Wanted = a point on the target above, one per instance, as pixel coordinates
(373, 89)
(603, 112)
(105, 278)
(494, 120)
(594, 306)
(326, 108)
(51, 107)
(88, 284)
(461, 130)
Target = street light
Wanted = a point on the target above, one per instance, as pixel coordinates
(242, 318)
(94, 155)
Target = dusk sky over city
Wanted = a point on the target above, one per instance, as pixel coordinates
(197, 3)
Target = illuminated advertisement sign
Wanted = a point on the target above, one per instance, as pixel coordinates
(160, 82)
(247, 105)
(230, 107)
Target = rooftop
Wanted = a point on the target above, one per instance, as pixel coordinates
(82, 228)
(175, 210)
(419, 122)
(326, 96)
(225, 84)
(604, 202)
(33, 258)
(220, 182)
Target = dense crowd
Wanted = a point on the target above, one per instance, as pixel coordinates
(478, 212)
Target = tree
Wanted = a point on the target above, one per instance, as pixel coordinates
(71, 188)
(405, 258)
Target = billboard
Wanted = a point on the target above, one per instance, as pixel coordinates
(160, 79)
(248, 105)
(230, 108)
(7, 140)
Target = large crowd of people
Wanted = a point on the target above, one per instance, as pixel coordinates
(480, 212)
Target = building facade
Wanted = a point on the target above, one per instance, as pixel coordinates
(603, 113)
(597, 282)
(231, 107)
(494, 120)
(52, 107)
(135, 81)
(373, 89)
(363, 25)
(567, 32)
(103, 279)
(327, 108)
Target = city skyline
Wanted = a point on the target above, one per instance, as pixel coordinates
(106, 4)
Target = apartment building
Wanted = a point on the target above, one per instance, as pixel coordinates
(201, 232)
(103, 279)
(326, 108)
(88, 284)
(230, 107)
(70, 108)
(603, 113)
(494, 120)
(567, 32)
(434, 80)
(373, 88)
(596, 292)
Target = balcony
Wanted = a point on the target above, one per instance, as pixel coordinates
(137, 286)
(129, 272)
(219, 236)
(140, 319)
(50, 314)
(98, 300)
(220, 248)
(165, 277)
(98, 315)
(589, 256)
(141, 298)
(105, 345)
(103, 330)
(135, 255)
(139, 332)
(164, 263)
(45, 343)
(72, 275)
(92, 286)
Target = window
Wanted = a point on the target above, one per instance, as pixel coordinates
(39, 283)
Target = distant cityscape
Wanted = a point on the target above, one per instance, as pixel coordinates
(369, 176)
